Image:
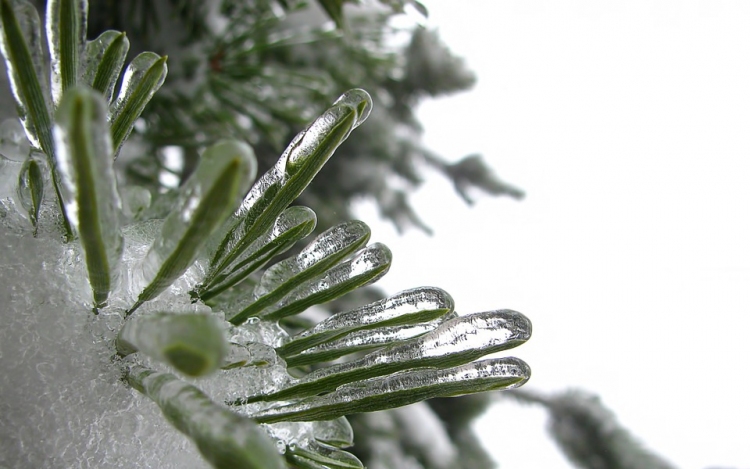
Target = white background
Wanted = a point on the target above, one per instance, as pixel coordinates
(628, 125)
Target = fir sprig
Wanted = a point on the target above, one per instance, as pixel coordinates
(217, 233)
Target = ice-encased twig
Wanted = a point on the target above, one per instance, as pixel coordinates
(283, 183)
(84, 154)
(204, 201)
(194, 344)
(454, 342)
(402, 389)
(226, 439)
(292, 225)
(411, 306)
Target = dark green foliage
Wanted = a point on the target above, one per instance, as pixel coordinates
(265, 74)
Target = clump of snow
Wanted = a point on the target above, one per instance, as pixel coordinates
(64, 401)
(64, 404)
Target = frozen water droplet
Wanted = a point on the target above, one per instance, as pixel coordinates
(358, 99)
(336, 432)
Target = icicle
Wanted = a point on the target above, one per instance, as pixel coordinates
(402, 389)
(412, 306)
(225, 439)
(280, 279)
(283, 183)
(66, 22)
(103, 61)
(205, 200)
(454, 342)
(92, 203)
(292, 225)
(194, 344)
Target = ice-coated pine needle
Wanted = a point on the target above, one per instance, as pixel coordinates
(283, 277)
(31, 188)
(362, 341)
(103, 60)
(364, 267)
(283, 183)
(194, 344)
(21, 44)
(84, 152)
(226, 439)
(144, 75)
(223, 175)
(411, 306)
(454, 342)
(66, 36)
(292, 225)
(404, 388)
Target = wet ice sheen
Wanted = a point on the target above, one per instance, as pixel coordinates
(103, 60)
(292, 225)
(403, 388)
(410, 306)
(30, 28)
(64, 401)
(63, 77)
(452, 343)
(362, 340)
(286, 180)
